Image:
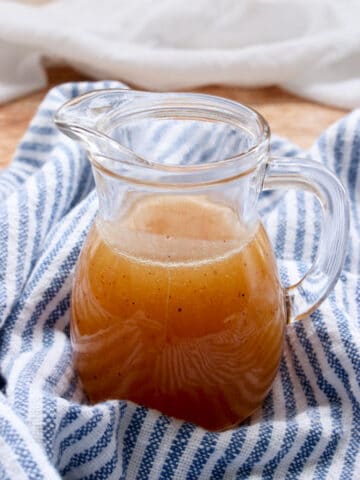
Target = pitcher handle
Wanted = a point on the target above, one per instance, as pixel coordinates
(307, 294)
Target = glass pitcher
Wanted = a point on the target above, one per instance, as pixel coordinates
(177, 303)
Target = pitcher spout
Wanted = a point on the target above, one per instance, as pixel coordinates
(86, 119)
(85, 111)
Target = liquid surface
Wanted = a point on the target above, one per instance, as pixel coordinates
(181, 311)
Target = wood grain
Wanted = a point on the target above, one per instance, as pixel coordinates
(298, 119)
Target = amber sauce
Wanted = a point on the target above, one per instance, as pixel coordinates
(180, 309)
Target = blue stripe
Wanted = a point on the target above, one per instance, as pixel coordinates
(46, 112)
(176, 450)
(281, 231)
(4, 238)
(57, 313)
(23, 384)
(49, 424)
(29, 161)
(206, 448)
(12, 179)
(39, 213)
(300, 227)
(69, 165)
(71, 415)
(74, 90)
(231, 452)
(292, 426)
(45, 130)
(107, 470)
(208, 154)
(349, 344)
(196, 147)
(58, 190)
(177, 142)
(317, 227)
(86, 181)
(322, 143)
(333, 360)
(316, 429)
(339, 147)
(22, 241)
(80, 433)
(36, 147)
(152, 447)
(24, 458)
(95, 450)
(263, 442)
(131, 435)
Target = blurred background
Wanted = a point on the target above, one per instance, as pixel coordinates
(298, 62)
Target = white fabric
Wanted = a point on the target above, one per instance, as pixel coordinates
(311, 48)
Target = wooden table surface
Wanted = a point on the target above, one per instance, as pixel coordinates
(297, 119)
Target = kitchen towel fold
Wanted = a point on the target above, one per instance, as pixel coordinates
(308, 426)
(309, 48)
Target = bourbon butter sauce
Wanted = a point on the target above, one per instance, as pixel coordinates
(178, 307)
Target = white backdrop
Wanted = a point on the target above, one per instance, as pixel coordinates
(311, 48)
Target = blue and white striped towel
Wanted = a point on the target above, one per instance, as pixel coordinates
(309, 425)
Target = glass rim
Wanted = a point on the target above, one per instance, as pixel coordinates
(168, 105)
(194, 106)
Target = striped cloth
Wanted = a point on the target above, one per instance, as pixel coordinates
(309, 425)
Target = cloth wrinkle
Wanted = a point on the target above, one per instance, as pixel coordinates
(306, 428)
